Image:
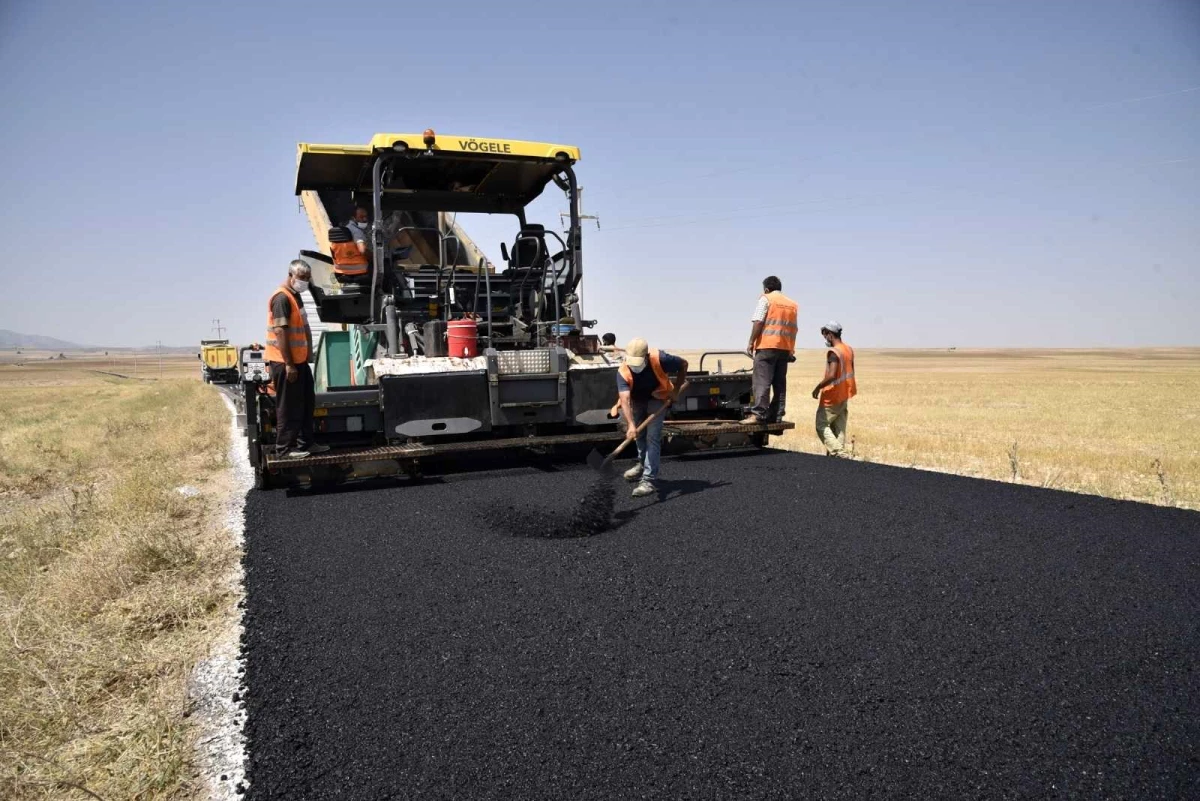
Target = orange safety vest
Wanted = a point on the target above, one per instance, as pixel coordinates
(843, 387)
(663, 391)
(297, 330)
(347, 260)
(779, 326)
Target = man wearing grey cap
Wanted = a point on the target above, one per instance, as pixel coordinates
(835, 391)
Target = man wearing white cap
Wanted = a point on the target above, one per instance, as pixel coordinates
(835, 391)
(643, 386)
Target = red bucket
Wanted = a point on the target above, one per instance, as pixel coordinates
(463, 338)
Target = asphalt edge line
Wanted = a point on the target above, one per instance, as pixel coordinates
(220, 750)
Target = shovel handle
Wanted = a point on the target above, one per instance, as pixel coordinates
(649, 419)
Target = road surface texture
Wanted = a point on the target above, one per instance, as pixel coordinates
(777, 626)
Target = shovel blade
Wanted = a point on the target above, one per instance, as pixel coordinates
(597, 462)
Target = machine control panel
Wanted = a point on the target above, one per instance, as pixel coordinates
(254, 366)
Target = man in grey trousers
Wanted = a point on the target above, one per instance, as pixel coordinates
(772, 345)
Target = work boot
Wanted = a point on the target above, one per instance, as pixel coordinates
(296, 453)
(315, 448)
(643, 489)
(751, 420)
(633, 473)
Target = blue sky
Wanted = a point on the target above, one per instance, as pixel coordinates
(927, 173)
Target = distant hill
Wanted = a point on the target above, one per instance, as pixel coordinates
(12, 339)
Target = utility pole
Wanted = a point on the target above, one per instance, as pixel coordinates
(563, 219)
(563, 216)
(218, 327)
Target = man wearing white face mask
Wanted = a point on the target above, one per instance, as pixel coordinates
(643, 386)
(359, 226)
(289, 344)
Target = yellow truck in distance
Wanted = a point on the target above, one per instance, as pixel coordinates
(218, 362)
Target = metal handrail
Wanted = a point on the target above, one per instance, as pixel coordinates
(525, 278)
(557, 273)
(453, 274)
(441, 254)
(487, 283)
(544, 258)
(441, 247)
(719, 353)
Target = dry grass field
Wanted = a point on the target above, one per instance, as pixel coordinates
(43, 367)
(110, 577)
(1119, 423)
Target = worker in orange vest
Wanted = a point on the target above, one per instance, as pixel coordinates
(348, 248)
(835, 391)
(643, 386)
(772, 345)
(289, 345)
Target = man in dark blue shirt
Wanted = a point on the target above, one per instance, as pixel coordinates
(644, 386)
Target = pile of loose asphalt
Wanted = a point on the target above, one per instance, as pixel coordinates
(775, 626)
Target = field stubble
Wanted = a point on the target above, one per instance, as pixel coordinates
(1119, 423)
(110, 577)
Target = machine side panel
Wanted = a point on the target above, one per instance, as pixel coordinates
(722, 394)
(590, 396)
(436, 404)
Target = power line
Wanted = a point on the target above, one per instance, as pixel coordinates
(1144, 97)
(1167, 161)
(579, 206)
(739, 213)
(742, 212)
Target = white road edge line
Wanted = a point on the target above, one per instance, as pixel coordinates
(221, 744)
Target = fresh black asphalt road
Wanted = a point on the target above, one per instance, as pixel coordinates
(776, 626)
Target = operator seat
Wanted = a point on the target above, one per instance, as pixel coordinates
(529, 250)
(341, 307)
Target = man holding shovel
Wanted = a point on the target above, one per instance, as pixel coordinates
(644, 386)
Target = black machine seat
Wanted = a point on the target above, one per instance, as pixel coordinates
(353, 282)
(315, 256)
(530, 248)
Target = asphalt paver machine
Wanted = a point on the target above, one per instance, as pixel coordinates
(437, 351)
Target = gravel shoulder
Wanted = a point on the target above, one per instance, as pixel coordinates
(215, 689)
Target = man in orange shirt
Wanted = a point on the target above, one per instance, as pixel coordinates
(835, 391)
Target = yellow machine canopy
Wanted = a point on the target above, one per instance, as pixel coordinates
(437, 171)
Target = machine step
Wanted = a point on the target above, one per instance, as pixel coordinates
(699, 428)
(418, 450)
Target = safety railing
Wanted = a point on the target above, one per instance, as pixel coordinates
(719, 353)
